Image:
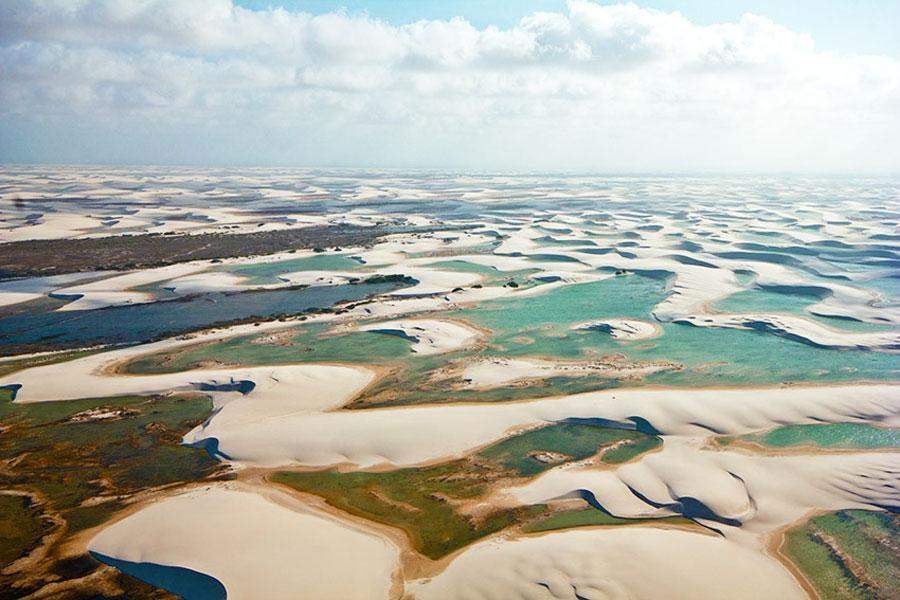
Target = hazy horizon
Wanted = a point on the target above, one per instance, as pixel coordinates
(460, 170)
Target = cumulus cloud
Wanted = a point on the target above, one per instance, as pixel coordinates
(596, 86)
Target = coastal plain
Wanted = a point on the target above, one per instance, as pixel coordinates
(286, 383)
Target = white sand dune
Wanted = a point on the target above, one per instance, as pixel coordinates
(212, 281)
(279, 392)
(521, 263)
(118, 290)
(257, 547)
(293, 386)
(393, 307)
(51, 226)
(414, 435)
(800, 329)
(319, 277)
(429, 336)
(693, 288)
(520, 241)
(430, 281)
(395, 249)
(567, 277)
(33, 288)
(62, 381)
(624, 329)
(203, 276)
(841, 300)
(499, 371)
(744, 496)
(640, 563)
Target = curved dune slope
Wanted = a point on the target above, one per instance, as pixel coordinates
(743, 496)
(256, 547)
(633, 563)
(800, 329)
(428, 336)
(624, 329)
(413, 435)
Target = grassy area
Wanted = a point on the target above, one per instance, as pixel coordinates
(419, 501)
(310, 343)
(20, 527)
(64, 453)
(634, 447)
(586, 517)
(435, 505)
(414, 384)
(575, 441)
(848, 554)
(69, 457)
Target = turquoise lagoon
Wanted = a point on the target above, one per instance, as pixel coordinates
(541, 326)
(831, 435)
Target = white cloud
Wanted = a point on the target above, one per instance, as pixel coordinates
(598, 86)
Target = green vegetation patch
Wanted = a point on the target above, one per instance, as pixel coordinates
(537, 450)
(70, 453)
(631, 448)
(75, 450)
(413, 383)
(21, 527)
(310, 343)
(422, 502)
(435, 505)
(591, 517)
(848, 554)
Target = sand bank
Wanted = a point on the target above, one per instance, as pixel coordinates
(499, 371)
(624, 329)
(429, 336)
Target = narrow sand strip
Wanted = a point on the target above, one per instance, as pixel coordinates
(499, 371)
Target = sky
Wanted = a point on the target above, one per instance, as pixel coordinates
(659, 86)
